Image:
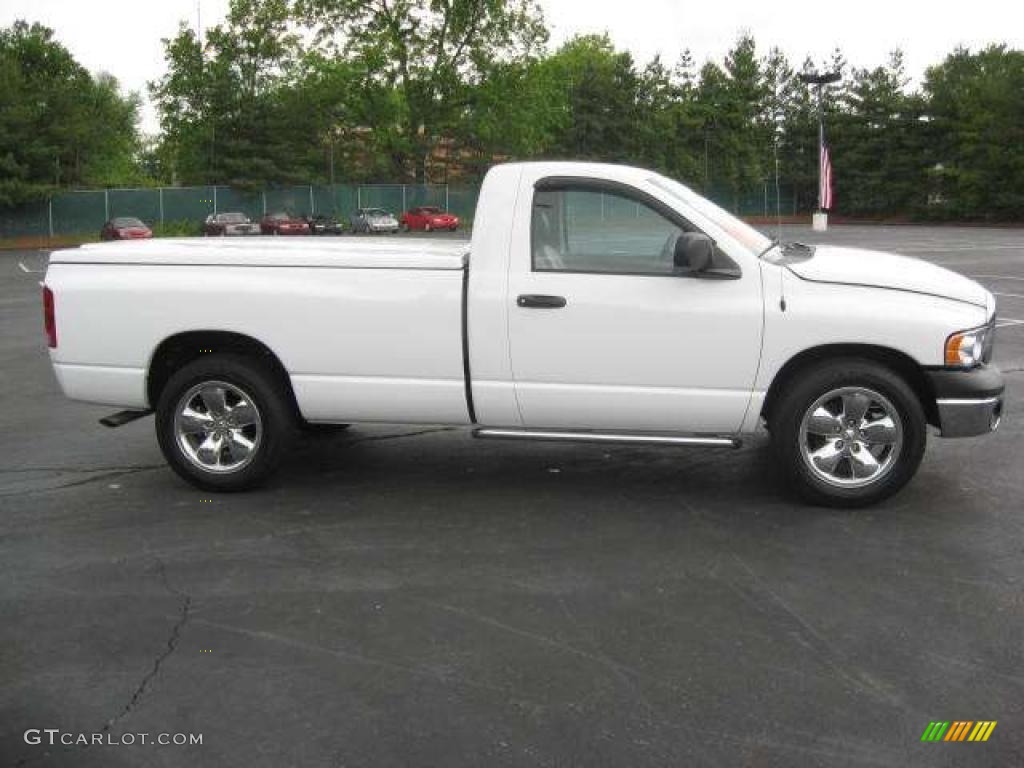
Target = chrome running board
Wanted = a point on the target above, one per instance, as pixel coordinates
(604, 437)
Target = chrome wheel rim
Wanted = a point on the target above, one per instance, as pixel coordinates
(218, 427)
(851, 437)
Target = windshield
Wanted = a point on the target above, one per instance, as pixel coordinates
(751, 238)
(233, 218)
(127, 221)
(429, 209)
(376, 212)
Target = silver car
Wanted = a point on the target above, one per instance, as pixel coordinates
(230, 224)
(372, 220)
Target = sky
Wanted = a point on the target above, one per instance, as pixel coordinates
(122, 37)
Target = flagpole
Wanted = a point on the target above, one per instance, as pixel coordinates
(821, 155)
(820, 218)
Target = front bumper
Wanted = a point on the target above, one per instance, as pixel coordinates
(970, 402)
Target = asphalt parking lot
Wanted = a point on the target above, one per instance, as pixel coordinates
(407, 596)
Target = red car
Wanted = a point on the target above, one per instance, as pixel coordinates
(283, 224)
(428, 217)
(125, 228)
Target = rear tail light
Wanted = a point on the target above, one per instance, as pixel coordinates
(49, 318)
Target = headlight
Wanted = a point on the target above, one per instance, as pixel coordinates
(966, 349)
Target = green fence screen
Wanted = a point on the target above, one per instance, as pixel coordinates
(83, 212)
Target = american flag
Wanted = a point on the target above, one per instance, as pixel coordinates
(825, 192)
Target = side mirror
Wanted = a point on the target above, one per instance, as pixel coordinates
(693, 252)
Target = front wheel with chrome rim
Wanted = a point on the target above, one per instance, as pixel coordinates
(849, 432)
(223, 422)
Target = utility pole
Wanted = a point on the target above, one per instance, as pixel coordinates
(820, 217)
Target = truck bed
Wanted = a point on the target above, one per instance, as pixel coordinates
(338, 253)
(367, 328)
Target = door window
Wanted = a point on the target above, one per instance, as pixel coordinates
(581, 229)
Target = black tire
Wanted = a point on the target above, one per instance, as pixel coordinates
(805, 389)
(268, 394)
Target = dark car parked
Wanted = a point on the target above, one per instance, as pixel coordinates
(322, 224)
(230, 224)
(283, 224)
(125, 228)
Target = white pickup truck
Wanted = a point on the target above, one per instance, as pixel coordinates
(594, 303)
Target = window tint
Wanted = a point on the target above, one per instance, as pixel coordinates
(589, 230)
(126, 221)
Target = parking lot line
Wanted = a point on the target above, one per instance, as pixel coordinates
(1000, 277)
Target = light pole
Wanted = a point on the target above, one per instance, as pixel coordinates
(819, 80)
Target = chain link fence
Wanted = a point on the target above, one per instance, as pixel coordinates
(84, 212)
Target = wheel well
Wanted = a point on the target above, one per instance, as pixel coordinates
(181, 349)
(896, 361)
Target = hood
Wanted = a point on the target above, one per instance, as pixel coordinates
(877, 269)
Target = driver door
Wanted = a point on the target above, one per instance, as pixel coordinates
(605, 332)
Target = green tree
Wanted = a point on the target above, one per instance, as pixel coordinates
(601, 85)
(733, 98)
(224, 106)
(976, 102)
(59, 126)
(881, 162)
(433, 53)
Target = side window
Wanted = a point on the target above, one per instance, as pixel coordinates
(583, 229)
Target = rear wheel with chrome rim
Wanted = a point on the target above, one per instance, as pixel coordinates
(224, 421)
(849, 432)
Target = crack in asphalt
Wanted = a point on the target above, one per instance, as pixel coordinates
(104, 475)
(80, 470)
(172, 644)
(140, 690)
(110, 473)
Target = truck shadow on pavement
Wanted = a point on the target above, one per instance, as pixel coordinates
(446, 469)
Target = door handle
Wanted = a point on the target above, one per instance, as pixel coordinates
(540, 301)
